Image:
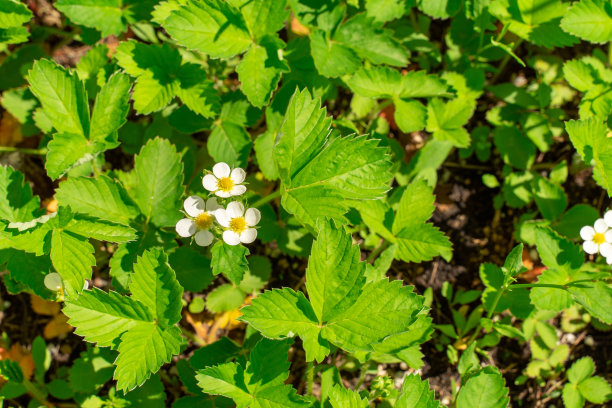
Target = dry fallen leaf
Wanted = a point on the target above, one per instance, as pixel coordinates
(58, 325)
(298, 28)
(22, 356)
(10, 130)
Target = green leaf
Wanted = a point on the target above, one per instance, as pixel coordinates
(224, 298)
(14, 14)
(316, 174)
(154, 284)
(485, 389)
(142, 351)
(101, 230)
(62, 96)
(103, 15)
(67, 150)
(410, 115)
(446, 120)
(110, 110)
(260, 70)
(549, 197)
(229, 143)
(262, 16)
(99, 197)
(212, 27)
(332, 59)
(589, 137)
(72, 257)
(102, 317)
(17, 203)
(516, 149)
(386, 10)
(340, 397)
(227, 380)
(415, 393)
(596, 297)
(230, 260)
(30, 270)
(581, 370)
(335, 275)
(439, 8)
(152, 93)
(590, 20)
(159, 174)
(596, 390)
(197, 92)
(571, 396)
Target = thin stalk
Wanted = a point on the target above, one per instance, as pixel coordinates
(383, 245)
(309, 377)
(35, 393)
(266, 199)
(193, 337)
(505, 61)
(362, 375)
(39, 152)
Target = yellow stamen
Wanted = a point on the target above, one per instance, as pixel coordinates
(225, 184)
(204, 220)
(237, 224)
(599, 238)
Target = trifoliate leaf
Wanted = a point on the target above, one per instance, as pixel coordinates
(376, 310)
(103, 15)
(260, 70)
(17, 203)
(446, 120)
(315, 173)
(260, 383)
(485, 389)
(415, 393)
(110, 110)
(136, 58)
(384, 82)
(581, 370)
(154, 284)
(590, 20)
(72, 257)
(99, 197)
(102, 317)
(212, 27)
(62, 96)
(332, 59)
(159, 173)
(197, 92)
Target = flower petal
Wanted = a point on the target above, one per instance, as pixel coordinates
(605, 249)
(186, 227)
(600, 226)
(222, 194)
(609, 260)
(210, 182)
(203, 238)
(238, 175)
(237, 190)
(248, 235)
(608, 236)
(194, 206)
(608, 218)
(221, 170)
(252, 216)
(212, 205)
(222, 217)
(587, 232)
(235, 209)
(590, 247)
(231, 238)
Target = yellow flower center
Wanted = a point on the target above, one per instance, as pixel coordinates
(599, 238)
(225, 184)
(238, 224)
(204, 220)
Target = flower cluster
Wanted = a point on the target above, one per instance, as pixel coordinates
(206, 219)
(598, 238)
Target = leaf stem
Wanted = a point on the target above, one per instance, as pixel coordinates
(266, 199)
(309, 377)
(35, 393)
(39, 152)
(362, 375)
(383, 245)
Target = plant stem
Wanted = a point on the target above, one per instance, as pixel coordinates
(39, 152)
(536, 285)
(383, 245)
(193, 337)
(309, 377)
(362, 375)
(35, 393)
(266, 199)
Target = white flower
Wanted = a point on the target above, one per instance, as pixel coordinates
(608, 218)
(225, 182)
(238, 223)
(202, 216)
(597, 238)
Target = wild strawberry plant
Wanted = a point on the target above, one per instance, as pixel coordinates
(265, 203)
